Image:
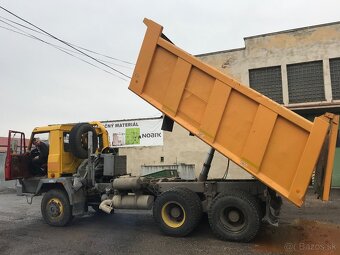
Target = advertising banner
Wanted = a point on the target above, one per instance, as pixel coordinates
(132, 133)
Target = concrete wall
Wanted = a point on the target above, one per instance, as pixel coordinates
(279, 49)
(178, 148)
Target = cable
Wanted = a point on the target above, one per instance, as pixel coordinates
(54, 45)
(101, 54)
(56, 38)
(58, 48)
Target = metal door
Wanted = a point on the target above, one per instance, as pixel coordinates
(17, 162)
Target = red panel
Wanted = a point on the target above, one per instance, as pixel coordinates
(14, 169)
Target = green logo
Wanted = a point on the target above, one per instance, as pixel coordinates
(132, 136)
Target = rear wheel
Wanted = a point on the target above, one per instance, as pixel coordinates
(235, 216)
(55, 208)
(177, 211)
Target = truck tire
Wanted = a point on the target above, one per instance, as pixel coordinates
(55, 208)
(78, 140)
(235, 216)
(177, 211)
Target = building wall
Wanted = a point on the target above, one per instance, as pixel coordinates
(179, 147)
(283, 49)
(279, 49)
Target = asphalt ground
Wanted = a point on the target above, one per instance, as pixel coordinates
(313, 229)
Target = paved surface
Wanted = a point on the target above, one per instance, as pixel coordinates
(314, 229)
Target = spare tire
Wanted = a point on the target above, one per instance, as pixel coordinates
(79, 140)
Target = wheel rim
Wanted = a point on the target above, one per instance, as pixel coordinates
(55, 208)
(173, 214)
(233, 219)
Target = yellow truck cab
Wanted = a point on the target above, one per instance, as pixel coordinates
(61, 160)
(68, 149)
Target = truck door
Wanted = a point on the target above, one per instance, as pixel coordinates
(17, 162)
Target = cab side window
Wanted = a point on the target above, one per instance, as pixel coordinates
(66, 139)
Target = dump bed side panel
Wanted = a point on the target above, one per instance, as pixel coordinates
(277, 146)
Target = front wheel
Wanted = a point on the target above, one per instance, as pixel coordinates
(55, 208)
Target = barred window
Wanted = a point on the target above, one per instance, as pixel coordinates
(267, 81)
(334, 65)
(305, 82)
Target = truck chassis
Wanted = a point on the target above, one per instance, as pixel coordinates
(235, 208)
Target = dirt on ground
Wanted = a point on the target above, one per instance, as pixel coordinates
(312, 229)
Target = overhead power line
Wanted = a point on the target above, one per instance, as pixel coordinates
(51, 44)
(61, 49)
(69, 45)
(94, 52)
(100, 54)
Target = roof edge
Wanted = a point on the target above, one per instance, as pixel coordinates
(293, 30)
(219, 52)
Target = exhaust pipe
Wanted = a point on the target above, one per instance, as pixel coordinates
(141, 202)
(106, 206)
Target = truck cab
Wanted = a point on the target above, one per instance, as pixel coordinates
(68, 152)
(63, 158)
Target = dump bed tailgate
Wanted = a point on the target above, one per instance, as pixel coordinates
(272, 143)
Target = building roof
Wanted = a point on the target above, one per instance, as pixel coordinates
(219, 52)
(293, 30)
(4, 143)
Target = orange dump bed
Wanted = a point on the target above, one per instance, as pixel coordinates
(272, 143)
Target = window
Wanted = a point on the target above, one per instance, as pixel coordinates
(43, 137)
(267, 81)
(334, 65)
(66, 138)
(305, 82)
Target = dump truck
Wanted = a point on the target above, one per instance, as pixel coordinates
(280, 149)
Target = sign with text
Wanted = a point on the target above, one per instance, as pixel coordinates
(131, 133)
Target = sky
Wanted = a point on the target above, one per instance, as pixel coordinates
(40, 85)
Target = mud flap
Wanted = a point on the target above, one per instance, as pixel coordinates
(324, 168)
(273, 207)
(79, 202)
